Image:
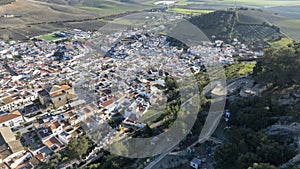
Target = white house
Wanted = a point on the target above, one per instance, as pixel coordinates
(195, 163)
(11, 119)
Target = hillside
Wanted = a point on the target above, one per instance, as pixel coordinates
(264, 123)
(226, 25)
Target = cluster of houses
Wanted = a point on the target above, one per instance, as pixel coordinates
(28, 71)
(45, 87)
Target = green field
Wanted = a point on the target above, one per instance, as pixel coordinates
(290, 27)
(189, 11)
(122, 21)
(186, 2)
(49, 37)
(281, 43)
(250, 3)
(247, 18)
(239, 69)
(260, 3)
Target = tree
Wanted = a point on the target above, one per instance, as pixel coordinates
(77, 147)
(262, 166)
(275, 153)
(226, 156)
(279, 67)
(94, 166)
(246, 160)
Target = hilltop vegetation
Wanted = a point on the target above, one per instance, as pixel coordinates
(217, 23)
(248, 142)
(226, 25)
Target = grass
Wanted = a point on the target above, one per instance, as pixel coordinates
(189, 11)
(290, 28)
(239, 69)
(281, 43)
(149, 115)
(121, 21)
(49, 37)
(245, 18)
(108, 10)
(186, 2)
(261, 3)
(109, 7)
(249, 3)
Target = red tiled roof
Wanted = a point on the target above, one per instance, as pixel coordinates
(107, 103)
(52, 141)
(10, 116)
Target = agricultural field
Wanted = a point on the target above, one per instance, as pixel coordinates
(49, 37)
(243, 18)
(260, 3)
(106, 7)
(248, 3)
(239, 69)
(256, 31)
(86, 26)
(189, 11)
(283, 42)
(290, 27)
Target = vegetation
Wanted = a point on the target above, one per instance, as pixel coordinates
(49, 37)
(217, 23)
(77, 147)
(239, 69)
(189, 11)
(290, 27)
(278, 67)
(226, 25)
(248, 145)
(282, 42)
(244, 18)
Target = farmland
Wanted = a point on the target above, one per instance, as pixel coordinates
(249, 19)
(227, 25)
(239, 69)
(257, 31)
(52, 15)
(290, 27)
(249, 3)
(283, 42)
(189, 11)
(49, 37)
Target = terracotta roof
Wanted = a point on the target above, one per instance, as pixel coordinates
(69, 47)
(16, 112)
(10, 116)
(56, 94)
(132, 95)
(65, 87)
(55, 125)
(40, 156)
(107, 103)
(24, 165)
(52, 141)
(86, 110)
